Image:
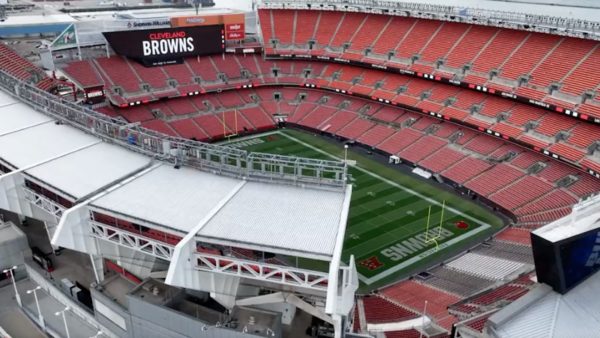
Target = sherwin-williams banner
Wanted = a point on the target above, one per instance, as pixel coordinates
(168, 45)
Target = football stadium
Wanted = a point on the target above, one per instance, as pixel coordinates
(294, 168)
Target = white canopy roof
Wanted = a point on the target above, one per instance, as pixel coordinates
(259, 215)
(15, 116)
(26, 20)
(178, 199)
(41, 142)
(279, 217)
(89, 169)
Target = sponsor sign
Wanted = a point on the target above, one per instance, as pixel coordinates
(234, 31)
(234, 36)
(143, 24)
(234, 23)
(94, 94)
(168, 45)
(66, 39)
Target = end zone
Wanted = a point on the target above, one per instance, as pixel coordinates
(407, 245)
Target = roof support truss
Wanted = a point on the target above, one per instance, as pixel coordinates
(132, 241)
(44, 203)
(285, 275)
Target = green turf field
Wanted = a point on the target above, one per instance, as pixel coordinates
(387, 226)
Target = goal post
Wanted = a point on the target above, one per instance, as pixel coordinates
(439, 233)
(235, 124)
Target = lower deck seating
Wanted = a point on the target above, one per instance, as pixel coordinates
(456, 282)
(410, 333)
(492, 298)
(22, 69)
(379, 310)
(506, 250)
(480, 269)
(413, 295)
(483, 266)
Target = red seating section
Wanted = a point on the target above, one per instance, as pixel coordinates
(379, 310)
(580, 135)
(413, 295)
(86, 73)
(17, 66)
(136, 229)
(515, 235)
(490, 299)
(543, 58)
(411, 333)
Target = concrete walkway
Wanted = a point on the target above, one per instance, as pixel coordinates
(17, 324)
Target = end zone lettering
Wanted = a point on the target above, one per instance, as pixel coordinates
(408, 247)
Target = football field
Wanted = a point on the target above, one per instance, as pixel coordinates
(398, 224)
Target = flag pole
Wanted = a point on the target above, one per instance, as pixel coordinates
(77, 41)
(423, 322)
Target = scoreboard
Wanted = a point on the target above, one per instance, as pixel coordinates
(565, 263)
(188, 36)
(157, 47)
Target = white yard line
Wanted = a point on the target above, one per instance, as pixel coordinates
(244, 138)
(392, 183)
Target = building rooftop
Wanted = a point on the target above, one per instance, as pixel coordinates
(546, 313)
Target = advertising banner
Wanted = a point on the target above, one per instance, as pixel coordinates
(66, 39)
(234, 31)
(234, 23)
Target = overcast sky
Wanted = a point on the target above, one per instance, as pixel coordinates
(238, 4)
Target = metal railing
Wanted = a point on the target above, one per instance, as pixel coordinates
(518, 20)
(286, 275)
(218, 159)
